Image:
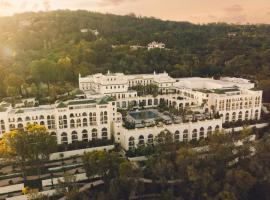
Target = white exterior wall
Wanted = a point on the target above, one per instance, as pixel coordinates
(80, 112)
(124, 134)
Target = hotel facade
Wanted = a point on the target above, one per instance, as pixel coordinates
(97, 116)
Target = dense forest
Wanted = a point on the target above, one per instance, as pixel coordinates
(41, 54)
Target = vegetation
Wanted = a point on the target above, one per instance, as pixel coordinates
(220, 170)
(28, 147)
(41, 54)
(142, 90)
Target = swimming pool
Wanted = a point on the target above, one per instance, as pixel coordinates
(143, 115)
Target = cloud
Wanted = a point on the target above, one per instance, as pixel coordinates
(113, 2)
(234, 8)
(234, 14)
(5, 4)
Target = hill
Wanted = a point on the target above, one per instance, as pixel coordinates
(52, 48)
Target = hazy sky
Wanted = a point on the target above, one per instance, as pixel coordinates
(198, 11)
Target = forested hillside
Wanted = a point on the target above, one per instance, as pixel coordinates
(41, 54)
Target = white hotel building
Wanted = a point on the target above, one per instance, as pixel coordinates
(97, 117)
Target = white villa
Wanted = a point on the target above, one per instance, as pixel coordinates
(156, 45)
(96, 116)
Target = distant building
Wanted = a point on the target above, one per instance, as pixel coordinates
(136, 47)
(156, 45)
(93, 31)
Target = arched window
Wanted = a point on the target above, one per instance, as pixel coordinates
(12, 127)
(84, 114)
(20, 126)
(93, 119)
(209, 131)
(19, 119)
(105, 119)
(227, 117)
(84, 135)
(150, 139)
(246, 115)
(53, 134)
(74, 136)
(131, 143)
(79, 123)
(72, 123)
(27, 118)
(217, 128)
(104, 133)
(185, 135)
(177, 136)
(94, 134)
(41, 117)
(42, 123)
(141, 140)
(71, 115)
(51, 122)
(150, 102)
(194, 134)
(201, 133)
(240, 115)
(64, 139)
(256, 115)
(234, 117)
(84, 122)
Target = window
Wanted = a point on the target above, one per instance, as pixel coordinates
(201, 133)
(150, 139)
(247, 115)
(84, 135)
(20, 126)
(19, 119)
(227, 118)
(234, 117)
(141, 140)
(11, 127)
(64, 139)
(104, 133)
(194, 134)
(256, 115)
(177, 136)
(74, 136)
(72, 123)
(104, 117)
(131, 143)
(53, 134)
(217, 128)
(85, 122)
(51, 122)
(209, 130)
(3, 127)
(93, 118)
(240, 115)
(79, 124)
(84, 114)
(185, 135)
(94, 134)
